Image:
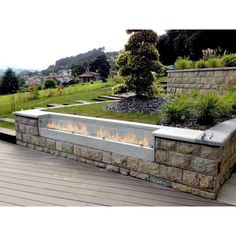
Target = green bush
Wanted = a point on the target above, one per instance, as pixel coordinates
(119, 88)
(199, 107)
(214, 62)
(49, 92)
(210, 106)
(33, 92)
(229, 60)
(176, 112)
(230, 96)
(50, 83)
(201, 64)
(183, 63)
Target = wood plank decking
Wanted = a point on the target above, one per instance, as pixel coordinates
(31, 178)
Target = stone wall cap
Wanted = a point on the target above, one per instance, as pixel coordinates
(217, 135)
(33, 113)
(202, 69)
(188, 135)
(222, 132)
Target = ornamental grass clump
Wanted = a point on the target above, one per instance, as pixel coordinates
(198, 108)
(210, 106)
(183, 63)
(201, 64)
(177, 111)
(214, 63)
(229, 60)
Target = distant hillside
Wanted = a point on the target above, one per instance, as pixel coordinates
(19, 72)
(67, 62)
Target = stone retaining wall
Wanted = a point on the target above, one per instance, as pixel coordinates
(195, 168)
(182, 159)
(207, 79)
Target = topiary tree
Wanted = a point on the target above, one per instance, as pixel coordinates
(50, 83)
(9, 82)
(138, 60)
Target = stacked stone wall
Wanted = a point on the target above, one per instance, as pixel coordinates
(201, 79)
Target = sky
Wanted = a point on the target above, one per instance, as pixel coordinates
(36, 33)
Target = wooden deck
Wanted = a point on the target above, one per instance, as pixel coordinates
(31, 178)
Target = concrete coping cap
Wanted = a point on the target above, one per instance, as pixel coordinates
(217, 135)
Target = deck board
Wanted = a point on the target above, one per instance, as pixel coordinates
(32, 178)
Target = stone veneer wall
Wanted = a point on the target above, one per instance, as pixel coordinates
(207, 79)
(189, 167)
(195, 168)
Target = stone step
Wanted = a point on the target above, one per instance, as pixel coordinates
(99, 99)
(8, 135)
(9, 120)
(82, 101)
(54, 105)
(110, 97)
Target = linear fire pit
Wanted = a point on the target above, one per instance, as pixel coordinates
(126, 138)
(193, 161)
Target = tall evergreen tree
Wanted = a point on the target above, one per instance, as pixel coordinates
(9, 82)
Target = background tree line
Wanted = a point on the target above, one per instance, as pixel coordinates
(190, 43)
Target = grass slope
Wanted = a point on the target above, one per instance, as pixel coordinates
(87, 92)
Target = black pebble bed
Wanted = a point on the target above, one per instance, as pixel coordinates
(138, 104)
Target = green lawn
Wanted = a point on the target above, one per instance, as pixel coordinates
(8, 125)
(97, 110)
(87, 92)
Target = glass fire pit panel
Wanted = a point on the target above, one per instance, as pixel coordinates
(137, 136)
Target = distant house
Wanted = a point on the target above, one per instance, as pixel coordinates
(89, 76)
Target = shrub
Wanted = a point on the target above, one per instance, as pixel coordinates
(50, 83)
(210, 106)
(176, 112)
(49, 93)
(73, 81)
(33, 92)
(119, 88)
(230, 96)
(157, 87)
(183, 63)
(229, 60)
(60, 90)
(201, 64)
(214, 62)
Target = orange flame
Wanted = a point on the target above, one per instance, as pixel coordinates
(128, 138)
(101, 133)
(70, 126)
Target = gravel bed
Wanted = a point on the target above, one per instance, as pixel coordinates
(138, 104)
